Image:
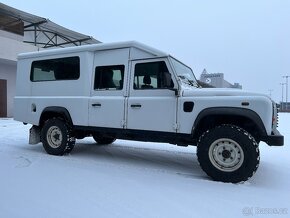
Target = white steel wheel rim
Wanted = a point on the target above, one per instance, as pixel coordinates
(54, 137)
(226, 155)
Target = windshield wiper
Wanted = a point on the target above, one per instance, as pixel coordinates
(194, 83)
(189, 82)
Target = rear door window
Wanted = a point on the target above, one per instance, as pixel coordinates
(109, 77)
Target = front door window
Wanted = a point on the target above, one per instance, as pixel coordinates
(152, 75)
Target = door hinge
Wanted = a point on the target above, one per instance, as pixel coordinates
(175, 126)
(123, 123)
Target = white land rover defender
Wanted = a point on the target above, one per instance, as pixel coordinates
(131, 91)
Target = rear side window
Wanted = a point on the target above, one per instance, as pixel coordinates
(109, 77)
(55, 69)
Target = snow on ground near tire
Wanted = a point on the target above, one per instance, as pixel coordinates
(133, 179)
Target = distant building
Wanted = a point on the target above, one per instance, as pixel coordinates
(23, 32)
(217, 80)
(204, 85)
(284, 107)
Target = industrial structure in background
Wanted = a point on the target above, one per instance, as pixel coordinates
(284, 105)
(23, 32)
(216, 80)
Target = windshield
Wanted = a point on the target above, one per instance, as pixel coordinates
(184, 73)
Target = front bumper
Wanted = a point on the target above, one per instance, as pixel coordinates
(276, 139)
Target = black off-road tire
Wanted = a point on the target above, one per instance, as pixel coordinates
(103, 140)
(57, 137)
(228, 153)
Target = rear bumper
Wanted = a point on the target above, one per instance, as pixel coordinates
(276, 139)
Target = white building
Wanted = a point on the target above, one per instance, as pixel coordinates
(23, 32)
(217, 80)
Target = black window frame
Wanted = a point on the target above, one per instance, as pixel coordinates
(102, 69)
(159, 76)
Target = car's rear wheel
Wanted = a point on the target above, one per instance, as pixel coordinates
(228, 153)
(57, 137)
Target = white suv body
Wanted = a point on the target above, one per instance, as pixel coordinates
(131, 91)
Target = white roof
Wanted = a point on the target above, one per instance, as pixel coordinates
(95, 47)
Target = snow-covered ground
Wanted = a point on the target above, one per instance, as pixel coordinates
(133, 179)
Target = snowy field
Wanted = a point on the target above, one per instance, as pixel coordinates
(133, 179)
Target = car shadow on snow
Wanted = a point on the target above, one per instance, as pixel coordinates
(130, 154)
(136, 155)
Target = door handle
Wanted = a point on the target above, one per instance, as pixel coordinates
(136, 106)
(96, 104)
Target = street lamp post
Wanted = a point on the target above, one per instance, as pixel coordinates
(286, 77)
(282, 84)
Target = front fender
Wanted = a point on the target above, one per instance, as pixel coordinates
(230, 111)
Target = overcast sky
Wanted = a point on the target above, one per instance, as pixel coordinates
(247, 40)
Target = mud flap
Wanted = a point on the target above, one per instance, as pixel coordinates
(34, 135)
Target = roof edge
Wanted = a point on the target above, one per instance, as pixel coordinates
(94, 47)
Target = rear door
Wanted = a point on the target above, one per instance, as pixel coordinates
(107, 101)
(152, 103)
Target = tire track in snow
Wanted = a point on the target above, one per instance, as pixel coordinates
(23, 162)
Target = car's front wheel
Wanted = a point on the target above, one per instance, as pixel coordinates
(228, 153)
(57, 137)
